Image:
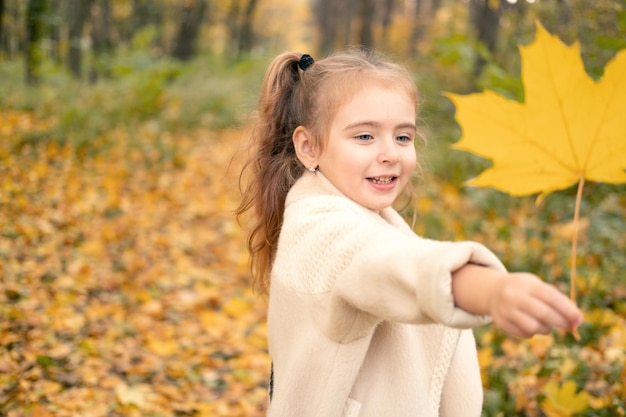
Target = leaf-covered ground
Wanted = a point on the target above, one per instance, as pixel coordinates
(124, 287)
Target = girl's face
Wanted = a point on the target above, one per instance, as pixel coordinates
(370, 154)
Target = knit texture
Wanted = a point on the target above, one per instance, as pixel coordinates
(361, 318)
(448, 347)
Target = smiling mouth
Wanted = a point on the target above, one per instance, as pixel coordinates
(382, 180)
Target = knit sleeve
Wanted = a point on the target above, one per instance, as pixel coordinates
(410, 280)
(365, 270)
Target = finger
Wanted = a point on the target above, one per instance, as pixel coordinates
(561, 305)
(510, 329)
(519, 323)
(530, 325)
(523, 331)
(546, 314)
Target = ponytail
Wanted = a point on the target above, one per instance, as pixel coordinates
(273, 166)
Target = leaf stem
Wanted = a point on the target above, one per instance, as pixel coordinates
(579, 194)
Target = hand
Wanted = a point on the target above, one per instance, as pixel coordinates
(522, 305)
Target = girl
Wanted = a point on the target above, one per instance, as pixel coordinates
(365, 317)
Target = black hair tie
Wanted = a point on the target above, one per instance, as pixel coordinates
(305, 62)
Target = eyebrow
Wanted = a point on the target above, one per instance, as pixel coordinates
(368, 123)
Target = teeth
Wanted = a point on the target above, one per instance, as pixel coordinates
(382, 180)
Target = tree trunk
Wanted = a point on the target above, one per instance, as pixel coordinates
(425, 12)
(327, 25)
(485, 21)
(2, 37)
(387, 17)
(189, 29)
(55, 31)
(14, 36)
(366, 34)
(142, 11)
(78, 15)
(35, 17)
(233, 27)
(247, 34)
(100, 38)
(565, 13)
(147, 13)
(334, 20)
(344, 14)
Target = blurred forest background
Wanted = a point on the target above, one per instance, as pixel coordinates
(124, 288)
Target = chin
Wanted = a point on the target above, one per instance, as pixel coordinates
(377, 206)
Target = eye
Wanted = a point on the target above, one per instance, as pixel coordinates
(364, 137)
(404, 139)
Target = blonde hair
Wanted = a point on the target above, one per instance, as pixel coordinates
(290, 98)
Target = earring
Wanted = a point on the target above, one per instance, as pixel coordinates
(312, 168)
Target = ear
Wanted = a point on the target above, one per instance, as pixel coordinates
(305, 147)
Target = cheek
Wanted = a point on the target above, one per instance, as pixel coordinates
(410, 160)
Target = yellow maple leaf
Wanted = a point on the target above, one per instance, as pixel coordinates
(563, 401)
(569, 128)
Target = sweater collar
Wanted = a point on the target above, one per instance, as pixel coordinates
(311, 184)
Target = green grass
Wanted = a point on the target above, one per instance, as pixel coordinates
(169, 95)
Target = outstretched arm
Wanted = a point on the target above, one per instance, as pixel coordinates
(519, 303)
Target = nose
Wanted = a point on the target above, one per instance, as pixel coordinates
(388, 152)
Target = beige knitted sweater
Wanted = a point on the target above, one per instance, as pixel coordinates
(361, 318)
